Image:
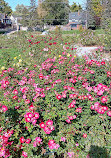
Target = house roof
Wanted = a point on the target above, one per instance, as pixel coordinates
(77, 16)
(3, 16)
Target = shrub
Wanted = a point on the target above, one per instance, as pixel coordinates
(54, 103)
(107, 39)
(81, 28)
(88, 38)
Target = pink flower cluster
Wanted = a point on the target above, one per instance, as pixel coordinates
(70, 118)
(47, 64)
(53, 145)
(31, 117)
(4, 142)
(3, 108)
(59, 96)
(70, 154)
(4, 83)
(23, 140)
(24, 154)
(37, 141)
(48, 128)
(72, 104)
(100, 89)
(100, 109)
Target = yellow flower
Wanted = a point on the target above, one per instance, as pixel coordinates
(15, 57)
(59, 56)
(74, 56)
(3, 67)
(68, 55)
(20, 60)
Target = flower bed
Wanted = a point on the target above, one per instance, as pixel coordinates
(53, 103)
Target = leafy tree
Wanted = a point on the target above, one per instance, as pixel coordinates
(5, 8)
(106, 14)
(106, 23)
(94, 12)
(74, 7)
(19, 10)
(33, 15)
(25, 17)
(55, 12)
(29, 14)
(33, 3)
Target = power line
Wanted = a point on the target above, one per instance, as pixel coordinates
(49, 19)
(53, 2)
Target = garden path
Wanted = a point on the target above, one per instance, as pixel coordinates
(88, 50)
(85, 50)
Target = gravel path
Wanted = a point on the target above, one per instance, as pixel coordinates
(85, 50)
(88, 50)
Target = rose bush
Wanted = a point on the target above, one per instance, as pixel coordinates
(54, 103)
(89, 38)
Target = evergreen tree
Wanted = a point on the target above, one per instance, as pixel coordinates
(75, 8)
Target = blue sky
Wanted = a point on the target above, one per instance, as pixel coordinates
(13, 3)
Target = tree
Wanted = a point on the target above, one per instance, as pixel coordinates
(106, 23)
(25, 17)
(75, 8)
(106, 14)
(29, 14)
(5, 8)
(55, 12)
(19, 10)
(33, 15)
(94, 12)
(33, 3)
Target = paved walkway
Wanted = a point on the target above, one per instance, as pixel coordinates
(11, 32)
(85, 50)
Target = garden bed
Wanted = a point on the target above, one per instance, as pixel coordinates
(53, 103)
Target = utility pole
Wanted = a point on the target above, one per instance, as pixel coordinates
(86, 19)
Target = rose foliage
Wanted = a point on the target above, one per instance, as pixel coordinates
(54, 102)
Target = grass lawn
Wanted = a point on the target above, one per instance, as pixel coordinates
(7, 56)
(99, 31)
(71, 32)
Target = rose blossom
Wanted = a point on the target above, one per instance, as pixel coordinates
(24, 154)
(109, 113)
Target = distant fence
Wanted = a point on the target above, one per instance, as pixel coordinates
(62, 27)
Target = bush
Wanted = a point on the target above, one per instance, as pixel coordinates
(107, 39)
(53, 103)
(88, 38)
(81, 28)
